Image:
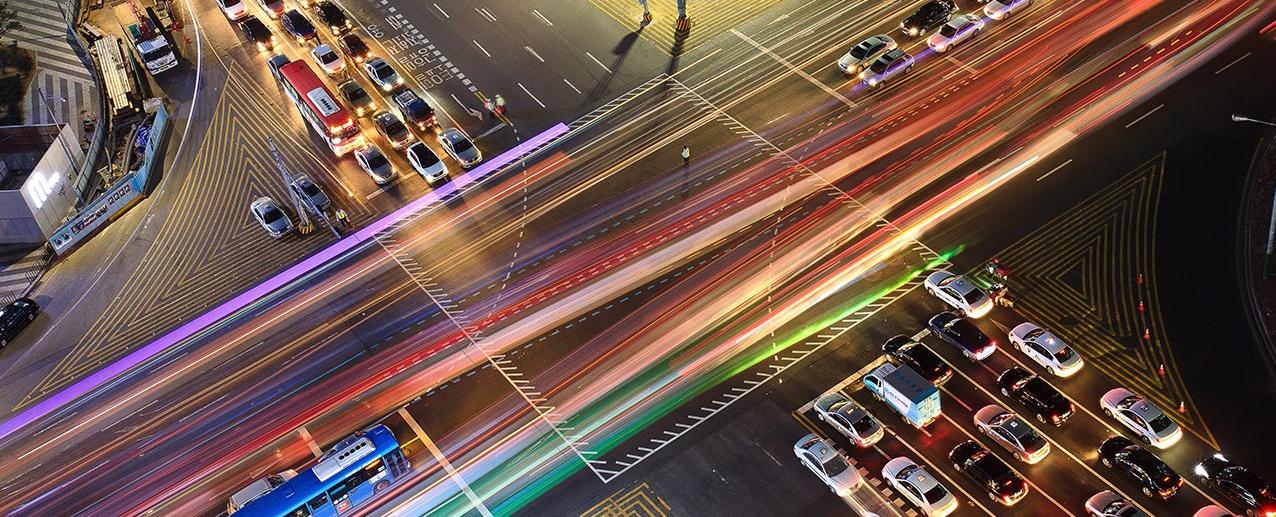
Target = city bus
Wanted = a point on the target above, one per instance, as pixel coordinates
(327, 117)
(348, 475)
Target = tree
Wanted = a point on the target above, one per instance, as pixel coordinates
(8, 18)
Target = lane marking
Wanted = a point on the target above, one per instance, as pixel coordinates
(600, 63)
(1145, 115)
(572, 86)
(480, 47)
(529, 94)
(447, 465)
(794, 69)
(1052, 171)
(1229, 65)
(485, 14)
(542, 18)
(445, 14)
(534, 54)
(310, 441)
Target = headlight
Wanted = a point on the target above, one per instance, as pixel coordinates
(1199, 470)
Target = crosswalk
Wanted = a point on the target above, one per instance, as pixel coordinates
(19, 265)
(63, 90)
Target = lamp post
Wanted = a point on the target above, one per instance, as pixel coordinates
(1271, 225)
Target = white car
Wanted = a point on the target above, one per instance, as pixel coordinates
(957, 30)
(426, 163)
(919, 487)
(825, 461)
(234, 9)
(382, 74)
(1046, 349)
(849, 418)
(889, 65)
(960, 293)
(1000, 9)
(328, 60)
(1012, 433)
(373, 162)
(1142, 418)
(1108, 504)
(459, 147)
(861, 55)
(271, 217)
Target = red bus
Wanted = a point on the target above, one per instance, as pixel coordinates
(327, 117)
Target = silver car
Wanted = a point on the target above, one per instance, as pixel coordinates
(459, 147)
(310, 194)
(1012, 433)
(919, 487)
(1000, 9)
(889, 65)
(861, 55)
(1141, 417)
(848, 418)
(1046, 349)
(832, 468)
(373, 162)
(271, 217)
(959, 293)
(1108, 504)
(382, 74)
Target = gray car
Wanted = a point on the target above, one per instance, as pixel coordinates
(373, 162)
(459, 147)
(848, 418)
(393, 129)
(826, 462)
(307, 190)
(854, 61)
(1012, 433)
(357, 98)
(271, 217)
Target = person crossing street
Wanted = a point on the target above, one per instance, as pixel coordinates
(686, 155)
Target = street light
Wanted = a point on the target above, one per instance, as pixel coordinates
(1242, 118)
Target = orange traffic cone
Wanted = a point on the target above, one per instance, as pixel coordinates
(1140, 305)
(1147, 334)
(1182, 407)
(1160, 370)
(1140, 278)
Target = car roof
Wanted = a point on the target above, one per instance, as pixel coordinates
(1145, 409)
(821, 450)
(893, 55)
(921, 479)
(958, 282)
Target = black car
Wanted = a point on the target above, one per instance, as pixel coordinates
(299, 27)
(332, 16)
(1038, 395)
(258, 33)
(1239, 484)
(902, 349)
(928, 16)
(963, 334)
(1154, 477)
(1002, 483)
(16, 316)
(354, 47)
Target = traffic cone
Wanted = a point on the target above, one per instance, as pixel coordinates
(1160, 370)
(1182, 408)
(1140, 305)
(1147, 334)
(1140, 278)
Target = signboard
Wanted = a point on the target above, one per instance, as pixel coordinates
(120, 196)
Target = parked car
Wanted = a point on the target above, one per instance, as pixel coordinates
(1046, 349)
(963, 334)
(15, 316)
(354, 47)
(1042, 399)
(959, 293)
(258, 33)
(902, 349)
(1108, 504)
(393, 129)
(993, 475)
(854, 61)
(299, 27)
(357, 98)
(1141, 417)
(1012, 433)
(373, 162)
(1241, 485)
(273, 8)
(306, 190)
(271, 217)
(329, 14)
(930, 15)
(849, 418)
(1154, 477)
(822, 458)
(459, 147)
(919, 487)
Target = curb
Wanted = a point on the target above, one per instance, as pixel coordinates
(1247, 283)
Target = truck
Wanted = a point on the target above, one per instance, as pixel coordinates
(906, 392)
(147, 35)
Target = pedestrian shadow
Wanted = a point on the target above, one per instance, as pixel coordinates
(621, 52)
(680, 34)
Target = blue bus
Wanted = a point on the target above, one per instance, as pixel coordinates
(348, 475)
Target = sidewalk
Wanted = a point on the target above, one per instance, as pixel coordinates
(19, 265)
(61, 75)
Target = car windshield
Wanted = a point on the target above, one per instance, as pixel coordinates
(462, 144)
(973, 296)
(1034, 334)
(271, 214)
(384, 71)
(1065, 353)
(356, 95)
(156, 54)
(425, 157)
(1160, 423)
(395, 128)
(880, 65)
(936, 493)
(354, 45)
(376, 161)
(948, 31)
(328, 57)
(230, 3)
(862, 49)
(310, 189)
(835, 465)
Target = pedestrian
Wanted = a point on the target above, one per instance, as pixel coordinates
(686, 155)
(342, 219)
(490, 106)
(500, 105)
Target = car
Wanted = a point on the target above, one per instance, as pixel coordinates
(889, 65)
(256, 489)
(1001, 483)
(274, 62)
(1151, 425)
(849, 418)
(271, 217)
(828, 464)
(393, 129)
(959, 293)
(1001, 9)
(1212, 510)
(299, 27)
(311, 194)
(930, 15)
(957, 30)
(373, 162)
(1046, 349)
(460, 148)
(273, 8)
(854, 61)
(15, 316)
(1154, 477)
(1108, 504)
(414, 110)
(258, 33)
(902, 349)
(1238, 483)
(234, 9)
(330, 15)
(1046, 402)
(354, 47)
(382, 74)
(919, 487)
(963, 334)
(1012, 433)
(357, 98)
(327, 59)
(426, 163)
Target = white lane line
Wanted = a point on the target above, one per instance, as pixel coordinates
(381, 189)
(485, 14)
(1052, 171)
(542, 18)
(794, 69)
(310, 441)
(486, 133)
(534, 54)
(600, 63)
(572, 86)
(447, 465)
(1229, 65)
(529, 94)
(963, 66)
(445, 14)
(769, 122)
(480, 47)
(1145, 115)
